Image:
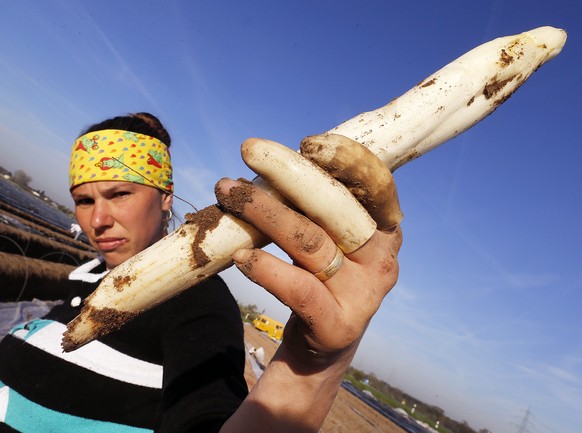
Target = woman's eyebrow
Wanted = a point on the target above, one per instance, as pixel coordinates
(77, 196)
(112, 189)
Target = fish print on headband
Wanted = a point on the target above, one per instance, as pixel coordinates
(126, 156)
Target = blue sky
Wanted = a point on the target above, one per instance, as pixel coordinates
(485, 320)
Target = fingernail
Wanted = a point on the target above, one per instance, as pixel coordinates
(239, 194)
(241, 256)
(223, 183)
(243, 259)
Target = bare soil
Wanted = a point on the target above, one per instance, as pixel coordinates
(348, 414)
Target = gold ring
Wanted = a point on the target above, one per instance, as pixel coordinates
(332, 268)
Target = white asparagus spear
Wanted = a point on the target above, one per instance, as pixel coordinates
(440, 107)
(362, 172)
(454, 98)
(349, 225)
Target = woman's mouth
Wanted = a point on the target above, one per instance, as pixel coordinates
(109, 244)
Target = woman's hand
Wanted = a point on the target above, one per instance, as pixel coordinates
(330, 312)
(329, 317)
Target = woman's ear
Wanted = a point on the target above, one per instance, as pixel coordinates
(167, 200)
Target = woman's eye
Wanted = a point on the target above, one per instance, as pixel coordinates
(83, 201)
(121, 194)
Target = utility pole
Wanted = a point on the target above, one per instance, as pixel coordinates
(523, 426)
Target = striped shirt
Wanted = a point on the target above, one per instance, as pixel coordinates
(178, 367)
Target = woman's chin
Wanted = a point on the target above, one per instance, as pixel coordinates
(113, 259)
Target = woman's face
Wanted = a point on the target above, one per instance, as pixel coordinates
(120, 219)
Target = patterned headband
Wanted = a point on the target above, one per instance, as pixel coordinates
(125, 156)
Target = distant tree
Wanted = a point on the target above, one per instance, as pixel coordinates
(464, 427)
(357, 374)
(21, 178)
(66, 210)
(434, 412)
(248, 312)
(426, 411)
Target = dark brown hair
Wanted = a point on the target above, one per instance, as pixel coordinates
(141, 123)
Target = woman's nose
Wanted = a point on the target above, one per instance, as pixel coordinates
(101, 217)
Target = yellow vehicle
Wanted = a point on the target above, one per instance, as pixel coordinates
(270, 326)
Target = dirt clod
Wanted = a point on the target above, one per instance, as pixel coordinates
(492, 88)
(205, 220)
(238, 197)
(505, 59)
(121, 281)
(428, 83)
(102, 320)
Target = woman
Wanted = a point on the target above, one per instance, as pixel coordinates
(158, 377)
(119, 383)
